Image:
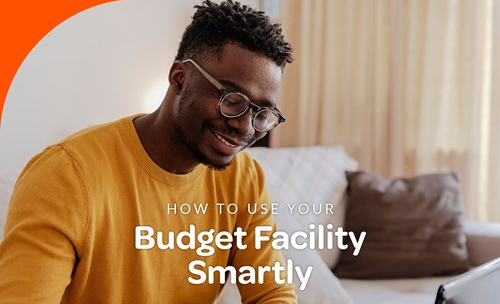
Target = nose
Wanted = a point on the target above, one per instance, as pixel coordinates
(242, 124)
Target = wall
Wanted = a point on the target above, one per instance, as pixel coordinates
(104, 63)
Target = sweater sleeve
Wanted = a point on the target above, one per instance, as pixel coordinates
(269, 292)
(46, 224)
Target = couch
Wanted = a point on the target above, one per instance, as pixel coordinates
(317, 175)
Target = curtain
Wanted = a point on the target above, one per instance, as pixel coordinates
(406, 86)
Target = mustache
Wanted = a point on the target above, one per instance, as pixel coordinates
(222, 128)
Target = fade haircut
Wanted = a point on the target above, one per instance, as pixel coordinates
(215, 25)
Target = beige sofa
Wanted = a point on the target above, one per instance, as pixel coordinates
(316, 175)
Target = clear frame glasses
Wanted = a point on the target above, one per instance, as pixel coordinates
(235, 104)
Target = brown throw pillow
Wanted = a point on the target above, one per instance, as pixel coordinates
(413, 225)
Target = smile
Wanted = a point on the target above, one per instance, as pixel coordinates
(224, 144)
(225, 141)
(228, 142)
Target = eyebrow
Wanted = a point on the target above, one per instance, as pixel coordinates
(231, 86)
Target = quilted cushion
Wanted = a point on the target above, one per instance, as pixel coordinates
(307, 175)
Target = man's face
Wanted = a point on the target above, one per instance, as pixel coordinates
(212, 138)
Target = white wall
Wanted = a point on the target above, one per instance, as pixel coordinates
(102, 64)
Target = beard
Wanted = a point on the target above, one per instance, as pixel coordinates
(196, 151)
(192, 145)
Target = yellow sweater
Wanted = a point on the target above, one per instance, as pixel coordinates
(70, 235)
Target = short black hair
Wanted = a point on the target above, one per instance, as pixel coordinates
(215, 25)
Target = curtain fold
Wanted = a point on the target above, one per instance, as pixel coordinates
(406, 86)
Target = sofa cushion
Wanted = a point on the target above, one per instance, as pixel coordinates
(307, 175)
(413, 225)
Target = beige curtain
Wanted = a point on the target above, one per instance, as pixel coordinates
(407, 87)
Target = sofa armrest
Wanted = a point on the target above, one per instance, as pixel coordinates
(483, 241)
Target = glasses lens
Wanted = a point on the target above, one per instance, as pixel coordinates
(233, 104)
(265, 120)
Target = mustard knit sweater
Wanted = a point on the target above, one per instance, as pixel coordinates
(70, 235)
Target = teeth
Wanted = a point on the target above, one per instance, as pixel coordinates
(225, 141)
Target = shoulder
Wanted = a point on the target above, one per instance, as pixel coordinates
(98, 135)
(100, 144)
(53, 159)
(89, 148)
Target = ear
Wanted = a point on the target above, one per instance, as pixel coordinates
(176, 76)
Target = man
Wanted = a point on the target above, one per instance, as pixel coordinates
(108, 215)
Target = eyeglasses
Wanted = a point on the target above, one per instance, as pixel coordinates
(235, 104)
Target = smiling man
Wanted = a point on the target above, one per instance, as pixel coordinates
(208, 121)
(82, 216)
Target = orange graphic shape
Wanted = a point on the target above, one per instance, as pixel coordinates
(23, 24)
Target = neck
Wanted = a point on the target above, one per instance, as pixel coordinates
(161, 144)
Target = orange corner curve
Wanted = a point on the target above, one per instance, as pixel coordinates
(23, 24)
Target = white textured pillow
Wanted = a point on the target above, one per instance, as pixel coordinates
(7, 181)
(311, 175)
